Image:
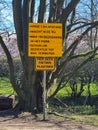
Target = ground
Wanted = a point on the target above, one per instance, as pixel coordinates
(26, 121)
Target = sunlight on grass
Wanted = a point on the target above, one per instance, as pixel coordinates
(93, 89)
(66, 91)
(5, 86)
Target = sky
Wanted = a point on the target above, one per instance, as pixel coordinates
(6, 19)
(6, 14)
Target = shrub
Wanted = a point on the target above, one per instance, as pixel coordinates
(4, 67)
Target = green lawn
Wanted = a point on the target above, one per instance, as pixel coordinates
(5, 86)
(76, 105)
(66, 91)
(85, 114)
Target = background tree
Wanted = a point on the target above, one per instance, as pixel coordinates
(90, 14)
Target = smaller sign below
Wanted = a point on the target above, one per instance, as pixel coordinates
(44, 63)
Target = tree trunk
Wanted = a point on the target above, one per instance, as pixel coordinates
(33, 95)
(28, 86)
(32, 80)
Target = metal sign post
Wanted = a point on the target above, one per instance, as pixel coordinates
(44, 96)
(44, 43)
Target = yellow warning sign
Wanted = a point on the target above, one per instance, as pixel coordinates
(44, 63)
(45, 40)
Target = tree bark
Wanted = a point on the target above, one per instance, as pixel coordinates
(30, 85)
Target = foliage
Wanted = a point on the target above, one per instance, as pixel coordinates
(88, 110)
(4, 68)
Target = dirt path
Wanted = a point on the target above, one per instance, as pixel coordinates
(45, 126)
(29, 122)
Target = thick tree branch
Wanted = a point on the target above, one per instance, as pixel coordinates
(31, 10)
(81, 26)
(69, 75)
(17, 14)
(52, 11)
(60, 69)
(42, 9)
(25, 21)
(66, 11)
(11, 68)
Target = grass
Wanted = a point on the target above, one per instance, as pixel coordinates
(76, 106)
(93, 89)
(66, 91)
(75, 114)
(75, 118)
(5, 86)
(85, 119)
